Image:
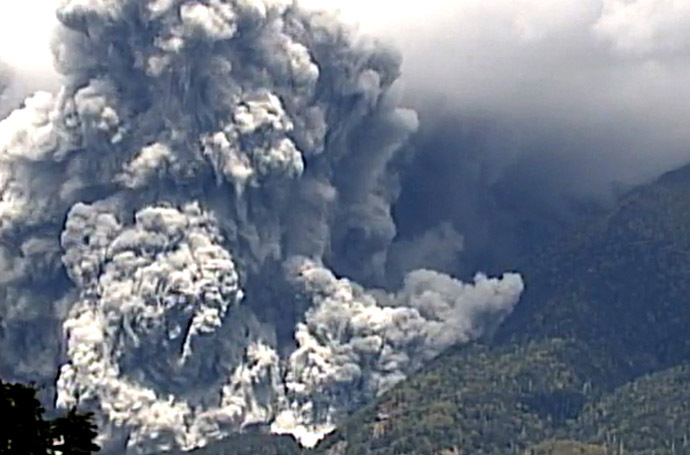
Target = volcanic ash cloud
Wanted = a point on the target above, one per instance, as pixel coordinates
(194, 231)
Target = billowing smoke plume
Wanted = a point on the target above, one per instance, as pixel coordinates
(5, 78)
(533, 113)
(195, 232)
(18, 83)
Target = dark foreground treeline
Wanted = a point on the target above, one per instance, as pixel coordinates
(25, 430)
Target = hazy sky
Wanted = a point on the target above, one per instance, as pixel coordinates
(609, 72)
(564, 97)
(25, 29)
(574, 59)
(625, 56)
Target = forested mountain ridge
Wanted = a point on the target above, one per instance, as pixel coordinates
(618, 283)
(595, 352)
(592, 362)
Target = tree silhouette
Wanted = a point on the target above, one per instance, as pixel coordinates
(74, 433)
(25, 432)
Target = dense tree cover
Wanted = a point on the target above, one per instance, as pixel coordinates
(619, 283)
(565, 447)
(595, 360)
(650, 415)
(477, 400)
(249, 444)
(499, 401)
(594, 353)
(25, 431)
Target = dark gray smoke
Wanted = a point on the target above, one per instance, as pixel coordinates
(196, 231)
(495, 186)
(533, 114)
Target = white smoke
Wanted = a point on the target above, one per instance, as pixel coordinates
(353, 344)
(199, 224)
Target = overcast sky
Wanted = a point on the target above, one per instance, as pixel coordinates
(565, 97)
(562, 58)
(618, 62)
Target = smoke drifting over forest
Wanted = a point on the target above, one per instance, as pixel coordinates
(196, 228)
(534, 113)
(230, 213)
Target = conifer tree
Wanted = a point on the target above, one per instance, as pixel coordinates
(25, 432)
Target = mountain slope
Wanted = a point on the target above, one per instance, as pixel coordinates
(565, 447)
(249, 444)
(619, 283)
(648, 415)
(603, 307)
(477, 400)
(592, 361)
